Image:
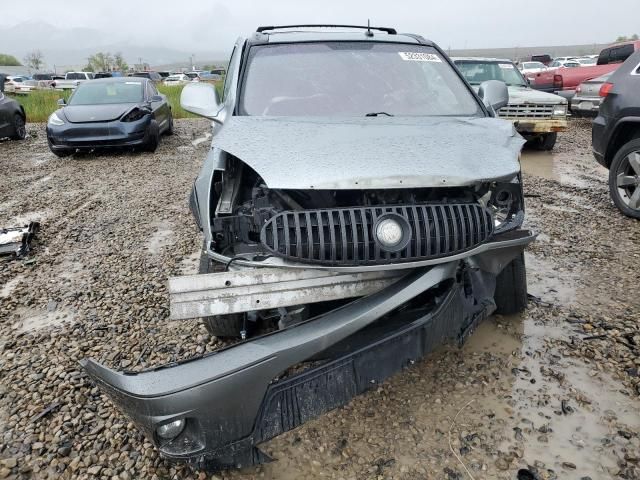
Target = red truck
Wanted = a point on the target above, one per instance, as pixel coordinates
(564, 81)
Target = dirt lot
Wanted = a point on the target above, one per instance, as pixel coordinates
(553, 393)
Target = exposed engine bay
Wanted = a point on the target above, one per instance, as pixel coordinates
(242, 205)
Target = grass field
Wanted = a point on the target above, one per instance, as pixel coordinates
(41, 103)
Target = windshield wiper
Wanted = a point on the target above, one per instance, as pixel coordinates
(375, 114)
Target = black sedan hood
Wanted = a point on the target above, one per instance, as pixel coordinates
(96, 113)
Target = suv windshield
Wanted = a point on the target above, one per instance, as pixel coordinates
(105, 93)
(352, 79)
(478, 71)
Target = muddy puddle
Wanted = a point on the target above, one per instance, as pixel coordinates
(163, 236)
(557, 167)
(202, 139)
(549, 283)
(7, 289)
(189, 265)
(508, 400)
(30, 320)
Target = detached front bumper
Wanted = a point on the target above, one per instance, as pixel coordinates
(234, 399)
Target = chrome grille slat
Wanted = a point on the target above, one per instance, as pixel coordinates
(345, 236)
(513, 110)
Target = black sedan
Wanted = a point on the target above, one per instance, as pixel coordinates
(109, 113)
(12, 118)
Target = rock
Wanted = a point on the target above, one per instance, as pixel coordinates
(74, 464)
(64, 450)
(95, 470)
(502, 464)
(9, 462)
(5, 472)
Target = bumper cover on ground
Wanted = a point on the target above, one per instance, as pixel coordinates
(231, 400)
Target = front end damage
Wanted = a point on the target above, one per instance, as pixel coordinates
(385, 265)
(230, 401)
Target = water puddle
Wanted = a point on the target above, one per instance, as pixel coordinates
(39, 159)
(25, 218)
(550, 283)
(72, 271)
(551, 166)
(200, 140)
(567, 411)
(31, 320)
(161, 238)
(189, 265)
(8, 288)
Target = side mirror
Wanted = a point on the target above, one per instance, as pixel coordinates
(156, 98)
(494, 93)
(202, 99)
(61, 102)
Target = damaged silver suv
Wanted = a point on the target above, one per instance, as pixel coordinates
(362, 204)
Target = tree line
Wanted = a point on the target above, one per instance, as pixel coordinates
(630, 38)
(98, 62)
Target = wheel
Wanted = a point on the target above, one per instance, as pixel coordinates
(511, 287)
(153, 137)
(19, 127)
(222, 325)
(170, 130)
(548, 141)
(624, 179)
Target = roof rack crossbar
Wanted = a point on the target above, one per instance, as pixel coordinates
(390, 31)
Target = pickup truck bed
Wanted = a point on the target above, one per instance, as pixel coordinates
(564, 81)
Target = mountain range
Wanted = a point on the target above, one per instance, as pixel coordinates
(63, 47)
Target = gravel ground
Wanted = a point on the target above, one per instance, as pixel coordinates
(553, 393)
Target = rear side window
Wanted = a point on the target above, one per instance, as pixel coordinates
(603, 58)
(620, 54)
(615, 54)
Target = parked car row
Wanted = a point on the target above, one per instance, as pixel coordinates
(564, 80)
(12, 116)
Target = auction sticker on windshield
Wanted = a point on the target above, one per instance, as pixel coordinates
(419, 57)
(506, 66)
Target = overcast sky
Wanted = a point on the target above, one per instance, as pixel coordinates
(202, 25)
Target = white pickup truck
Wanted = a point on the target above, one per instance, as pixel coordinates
(72, 80)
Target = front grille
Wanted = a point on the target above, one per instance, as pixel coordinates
(345, 236)
(526, 111)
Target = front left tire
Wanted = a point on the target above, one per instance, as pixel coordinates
(511, 287)
(222, 326)
(153, 137)
(548, 141)
(170, 128)
(19, 127)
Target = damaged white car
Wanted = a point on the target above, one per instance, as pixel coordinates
(359, 200)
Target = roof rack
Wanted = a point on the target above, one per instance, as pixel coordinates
(390, 31)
